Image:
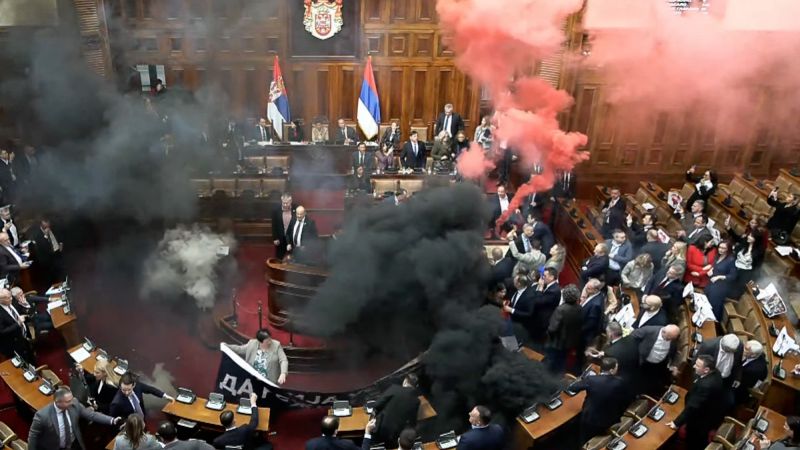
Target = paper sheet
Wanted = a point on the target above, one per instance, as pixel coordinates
(688, 290)
(223, 250)
(55, 304)
(648, 206)
(80, 355)
(704, 311)
(767, 292)
(784, 343)
(784, 250)
(54, 290)
(625, 317)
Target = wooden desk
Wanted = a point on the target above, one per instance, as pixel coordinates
(354, 424)
(776, 421)
(526, 434)
(27, 392)
(781, 394)
(207, 418)
(658, 433)
(572, 236)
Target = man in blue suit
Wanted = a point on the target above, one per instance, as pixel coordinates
(620, 251)
(329, 441)
(592, 306)
(542, 232)
(606, 399)
(413, 155)
(483, 435)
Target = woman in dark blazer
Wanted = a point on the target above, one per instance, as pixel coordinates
(100, 389)
(722, 274)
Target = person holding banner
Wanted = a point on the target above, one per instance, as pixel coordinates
(265, 355)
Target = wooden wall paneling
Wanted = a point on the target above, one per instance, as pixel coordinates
(604, 138)
(425, 11)
(423, 45)
(323, 95)
(443, 90)
(418, 95)
(399, 11)
(655, 152)
(349, 95)
(374, 11)
(375, 44)
(398, 44)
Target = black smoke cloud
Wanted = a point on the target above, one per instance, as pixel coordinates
(411, 279)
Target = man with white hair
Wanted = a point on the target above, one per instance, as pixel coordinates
(11, 261)
(727, 352)
(754, 369)
(42, 322)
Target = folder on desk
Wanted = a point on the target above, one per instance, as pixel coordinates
(341, 408)
(216, 401)
(244, 406)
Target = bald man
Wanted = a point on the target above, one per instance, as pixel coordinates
(658, 347)
(651, 313)
(302, 231)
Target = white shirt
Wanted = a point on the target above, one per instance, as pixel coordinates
(447, 120)
(659, 351)
(61, 432)
(611, 254)
(588, 299)
(14, 253)
(12, 230)
(647, 316)
(516, 297)
(12, 312)
(724, 362)
(503, 203)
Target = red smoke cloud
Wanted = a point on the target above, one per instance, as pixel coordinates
(495, 42)
(714, 72)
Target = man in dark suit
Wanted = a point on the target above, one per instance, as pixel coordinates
(303, 231)
(56, 425)
(329, 441)
(655, 248)
(396, 410)
(564, 330)
(613, 213)
(668, 285)
(391, 136)
(597, 265)
(702, 411)
(8, 180)
(450, 122)
(520, 305)
(363, 158)
(592, 307)
(344, 135)
(637, 231)
(9, 226)
(620, 252)
(726, 352)
(483, 435)
(657, 347)
(623, 349)
(699, 230)
(130, 397)
(754, 369)
(413, 155)
(499, 204)
(535, 204)
(26, 164)
(546, 298)
(281, 218)
(565, 185)
(542, 232)
(262, 132)
(607, 396)
(13, 329)
(11, 261)
(243, 437)
(169, 435)
(46, 253)
(651, 313)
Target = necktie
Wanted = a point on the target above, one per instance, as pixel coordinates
(297, 232)
(14, 314)
(415, 148)
(527, 243)
(137, 407)
(67, 429)
(447, 125)
(515, 298)
(663, 283)
(360, 159)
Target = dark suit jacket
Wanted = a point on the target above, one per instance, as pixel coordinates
(103, 396)
(294, 134)
(121, 406)
(592, 318)
(9, 267)
(594, 267)
(22, 167)
(703, 408)
(44, 434)
(240, 435)
(11, 337)
(544, 304)
(494, 204)
(368, 163)
(659, 320)
(334, 443)
(657, 250)
(278, 232)
(626, 352)
(755, 371)
(490, 437)
(645, 338)
(395, 410)
(256, 136)
(389, 138)
(564, 330)
(616, 215)
(564, 188)
(42, 252)
(606, 399)
(543, 233)
(407, 158)
(671, 294)
(191, 444)
(340, 137)
(456, 124)
(541, 199)
(523, 309)
(308, 234)
(711, 348)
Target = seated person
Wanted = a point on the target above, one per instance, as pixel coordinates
(413, 155)
(295, 132)
(262, 131)
(442, 152)
(27, 305)
(360, 181)
(265, 355)
(363, 158)
(345, 135)
(329, 441)
(385, 157)
(319, 131)
(483, 435)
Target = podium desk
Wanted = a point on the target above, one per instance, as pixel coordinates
(354, 424)
(27, 392)
(209, 419)
(658, 433)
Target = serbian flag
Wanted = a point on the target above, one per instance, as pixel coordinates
(369, 107)
(278, 108)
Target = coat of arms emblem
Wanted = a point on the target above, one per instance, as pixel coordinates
(323, 18)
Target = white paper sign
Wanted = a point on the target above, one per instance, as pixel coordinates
(56, 304)
(688, 290)
(80, 355)
(784, 343)
(625, 317)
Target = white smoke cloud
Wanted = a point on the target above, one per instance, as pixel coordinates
(186, 262)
